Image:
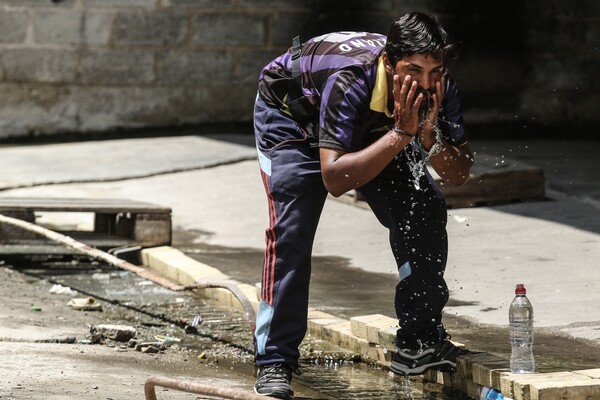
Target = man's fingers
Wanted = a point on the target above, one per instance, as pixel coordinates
(396, 88)
(432, 117)
(436, 103)
(417, 104)
(400, 95)
(410, 97)
(439, 89)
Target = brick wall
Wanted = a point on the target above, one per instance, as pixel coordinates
(97, 65)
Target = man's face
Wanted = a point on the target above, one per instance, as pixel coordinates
(426, 69)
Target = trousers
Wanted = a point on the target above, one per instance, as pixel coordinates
(414, 213)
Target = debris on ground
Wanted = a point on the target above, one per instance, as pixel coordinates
(167, 339)
(120, 333)
(60, 289)
(68, 340)
(191, 327)
(85, 304)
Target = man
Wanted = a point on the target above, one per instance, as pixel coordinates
(357, 110)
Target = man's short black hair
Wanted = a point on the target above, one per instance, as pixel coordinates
(416, 33)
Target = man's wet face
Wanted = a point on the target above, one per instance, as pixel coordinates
(426, 70)
(427, 103)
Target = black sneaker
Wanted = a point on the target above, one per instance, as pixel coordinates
(440, 357)
(274, 381)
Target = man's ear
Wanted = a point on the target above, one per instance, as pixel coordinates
(387, 63)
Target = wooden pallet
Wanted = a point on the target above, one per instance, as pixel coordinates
(116, 223)
(493, 181)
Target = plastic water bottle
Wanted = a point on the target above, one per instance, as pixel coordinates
(486, 393)
(520, 316)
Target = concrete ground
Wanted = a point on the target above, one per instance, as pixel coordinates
(33, 369)
(213, 185)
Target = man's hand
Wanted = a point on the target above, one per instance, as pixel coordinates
(426, 132)
(406, 104)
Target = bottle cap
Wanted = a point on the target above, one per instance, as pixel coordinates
(520, 289)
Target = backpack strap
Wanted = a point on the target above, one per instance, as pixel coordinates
(302, 110)
(299, 105)
(296, 51)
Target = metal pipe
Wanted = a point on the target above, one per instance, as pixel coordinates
(235, 290)
(196, 388)
(127, 266)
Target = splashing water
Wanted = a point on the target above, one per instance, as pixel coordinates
(452, 124)
(416, 166)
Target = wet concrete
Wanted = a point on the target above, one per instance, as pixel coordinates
(222, 343)
(372, 293)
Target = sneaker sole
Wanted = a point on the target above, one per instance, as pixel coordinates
(285, 395)
(442, 365)
(417, 356)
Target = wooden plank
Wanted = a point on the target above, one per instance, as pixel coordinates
(152, 229)
(117, 223)
(35, 249)
(495, 181)
(499, 188)
(78, 205)
(41, 245)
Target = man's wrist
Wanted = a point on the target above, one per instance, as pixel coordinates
(436, 149)
(402, 132)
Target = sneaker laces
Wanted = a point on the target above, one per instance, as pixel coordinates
(278, 373)
(443, 334)
(421, 346)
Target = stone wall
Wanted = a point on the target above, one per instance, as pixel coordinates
(82, 66)
(96, 65)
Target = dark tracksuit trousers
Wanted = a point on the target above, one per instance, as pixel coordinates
(415, 218)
